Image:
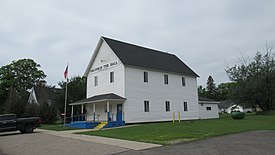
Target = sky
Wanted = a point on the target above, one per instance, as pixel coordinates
(207, 35)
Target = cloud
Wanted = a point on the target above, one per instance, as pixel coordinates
(206, 35)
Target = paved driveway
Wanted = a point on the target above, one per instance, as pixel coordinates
(249, 143)
(14, 143)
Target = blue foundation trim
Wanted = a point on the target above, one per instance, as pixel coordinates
(83, 125)
(112, 124)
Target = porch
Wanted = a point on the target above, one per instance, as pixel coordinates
(102, 111)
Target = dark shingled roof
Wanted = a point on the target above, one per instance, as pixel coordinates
(206, 99)
(44, 94)
(134, 55)
(110, 96)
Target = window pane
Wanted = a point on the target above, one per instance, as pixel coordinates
(208, 108)
(167, 105)
(183, 81)
(96, 80)
(145, 76)
(146, 106)
(184, 106)
(112, 77)
(165, 79)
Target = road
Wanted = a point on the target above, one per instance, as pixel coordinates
(15, 143)
(249, 143)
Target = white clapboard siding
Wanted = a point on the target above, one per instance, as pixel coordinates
(106, 56)
(156, 92)
(208, 114)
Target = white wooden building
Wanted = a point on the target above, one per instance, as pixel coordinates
(137, 84)
(208, 108)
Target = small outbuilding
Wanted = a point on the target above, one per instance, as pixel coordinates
(208, 108)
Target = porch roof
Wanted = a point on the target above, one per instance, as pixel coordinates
(98, 98)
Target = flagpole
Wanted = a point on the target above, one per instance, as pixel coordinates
(66, 93)
(65, 106)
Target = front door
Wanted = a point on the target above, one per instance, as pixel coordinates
(119, 113)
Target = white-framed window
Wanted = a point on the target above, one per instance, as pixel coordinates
(145, 76)
(167, 106)
(165, 79)
(146, 106)
(96, 81)
(208, 108)
(112, 77)
(185, 106)
(183, 81)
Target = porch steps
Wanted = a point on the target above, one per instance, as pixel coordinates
(100, 125)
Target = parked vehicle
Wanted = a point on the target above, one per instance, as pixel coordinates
(10, 122)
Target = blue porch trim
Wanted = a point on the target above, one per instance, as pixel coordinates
(91, 125)
(83, 125)
(112, 124)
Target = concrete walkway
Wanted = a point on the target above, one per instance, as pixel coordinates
(103, 140)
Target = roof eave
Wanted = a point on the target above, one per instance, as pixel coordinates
(87, 102)
(209, 102)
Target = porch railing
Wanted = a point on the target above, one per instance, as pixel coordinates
(96, 117)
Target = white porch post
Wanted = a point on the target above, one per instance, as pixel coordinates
(72, 112)
(94, 111)
(108, 106)
(108, 111)
(82, 110)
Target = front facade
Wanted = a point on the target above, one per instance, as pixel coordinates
(136, 84)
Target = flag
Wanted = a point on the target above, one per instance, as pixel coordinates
(66, 72)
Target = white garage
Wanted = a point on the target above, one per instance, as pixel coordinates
(208, 108)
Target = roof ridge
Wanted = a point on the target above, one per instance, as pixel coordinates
(141, 46)
(145, 57)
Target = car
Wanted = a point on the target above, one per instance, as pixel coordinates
(10, 122)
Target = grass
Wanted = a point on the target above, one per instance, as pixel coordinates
(169, 133)
(55, 127)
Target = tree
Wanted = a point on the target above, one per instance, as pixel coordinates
(15, 103)
(202, 91)
(255, 80)
(21, 75)
(76, 92)
(225, 91)
(16, 78)
(47, 112)
(211, 88)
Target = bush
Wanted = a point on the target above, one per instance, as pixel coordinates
(48, 112)
(237, 115)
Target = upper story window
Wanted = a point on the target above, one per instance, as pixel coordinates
(167, 106)
(183, 81)
(145, 74)
(112, 77)
(165, 79)
(184, 106)
(146, 106)
(96, 81)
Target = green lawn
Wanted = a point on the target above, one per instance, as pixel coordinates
(169, 133)
(55, 127)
